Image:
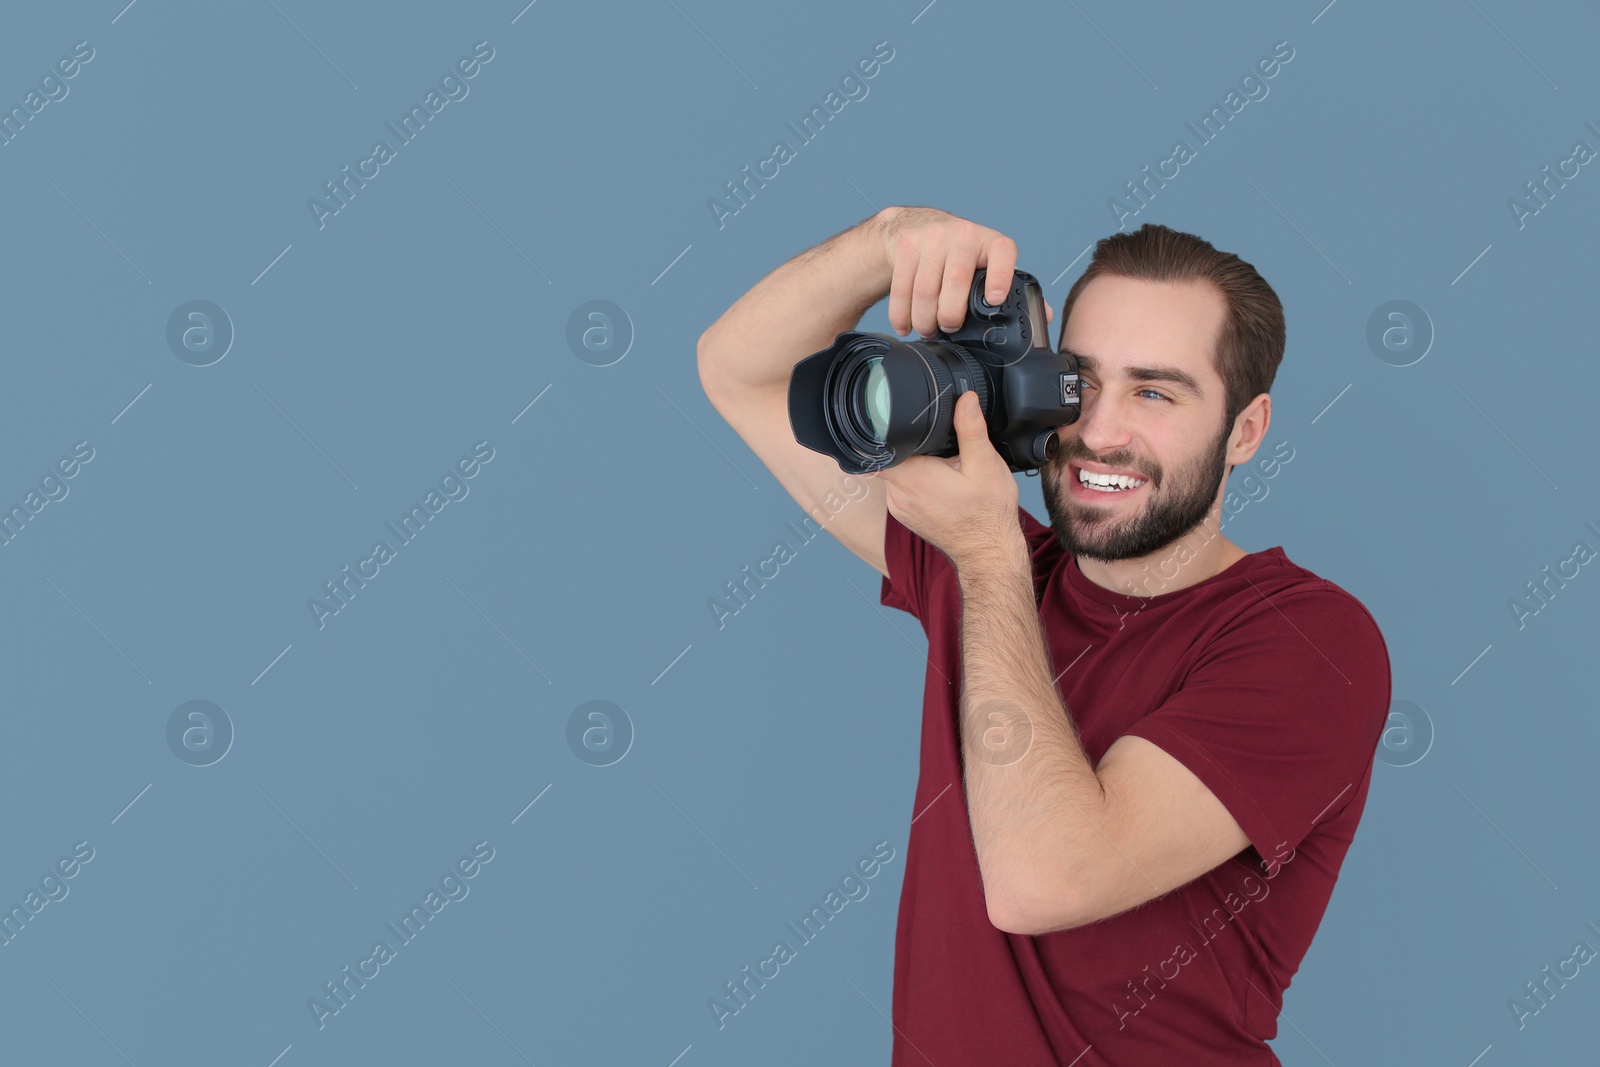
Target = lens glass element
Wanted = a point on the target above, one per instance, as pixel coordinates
(872, 397)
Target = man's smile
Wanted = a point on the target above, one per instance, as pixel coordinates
(1097, 483)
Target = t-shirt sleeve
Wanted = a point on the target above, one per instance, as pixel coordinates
(1281, 715)
(915, 564)
(912, 561)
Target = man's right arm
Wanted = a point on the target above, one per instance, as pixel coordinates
(924, 260)
(746, 358)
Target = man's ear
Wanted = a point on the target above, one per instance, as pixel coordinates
(1250, 429)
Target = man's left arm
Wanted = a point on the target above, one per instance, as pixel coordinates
(1062, 842)
(1269, 721)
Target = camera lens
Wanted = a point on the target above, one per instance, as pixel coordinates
(870, 400)
(869, 397)
(887, 399)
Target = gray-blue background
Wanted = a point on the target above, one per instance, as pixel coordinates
(768, 756)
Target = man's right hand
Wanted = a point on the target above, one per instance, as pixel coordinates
(934, 255)
(926, 258)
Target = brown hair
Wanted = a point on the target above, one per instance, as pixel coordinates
(1251, 343)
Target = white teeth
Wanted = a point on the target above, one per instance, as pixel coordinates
(1110, 482)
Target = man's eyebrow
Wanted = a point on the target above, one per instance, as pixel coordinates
(1183, 379)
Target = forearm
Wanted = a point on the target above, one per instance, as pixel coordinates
(1033, 797)
(796, 310)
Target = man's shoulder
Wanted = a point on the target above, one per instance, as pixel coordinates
(1278, 607)
(1278, 579)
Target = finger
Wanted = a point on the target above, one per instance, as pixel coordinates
(972, 430)
(906, 261)
(925, 289)
(897, 479)
(898, 470)
(956, 291)
(908, 469)
(999, 255)
(1049, 313)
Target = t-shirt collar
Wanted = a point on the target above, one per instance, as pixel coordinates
(1082, 587)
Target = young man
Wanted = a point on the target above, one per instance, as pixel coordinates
(1145, 751)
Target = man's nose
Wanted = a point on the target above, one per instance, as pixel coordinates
(1102, 424)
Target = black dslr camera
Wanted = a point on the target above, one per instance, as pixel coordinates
(871, 400)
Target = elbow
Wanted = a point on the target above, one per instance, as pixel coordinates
(1004, 918)
(702, 350)
(704, 363)
(1032, 911)
(713, 381)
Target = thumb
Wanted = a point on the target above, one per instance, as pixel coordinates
(972, 431)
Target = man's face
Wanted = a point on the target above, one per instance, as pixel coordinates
(1161, 432)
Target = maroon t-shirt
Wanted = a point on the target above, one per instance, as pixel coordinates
(1267, 682)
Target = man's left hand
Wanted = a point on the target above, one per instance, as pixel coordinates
(965, 506)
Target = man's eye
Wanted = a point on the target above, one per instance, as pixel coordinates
(1085, 383)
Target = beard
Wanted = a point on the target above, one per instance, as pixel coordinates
(1173, 507)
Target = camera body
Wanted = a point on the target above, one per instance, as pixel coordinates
(872, 400)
